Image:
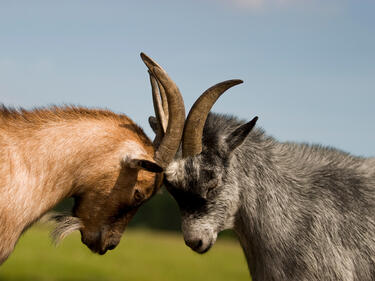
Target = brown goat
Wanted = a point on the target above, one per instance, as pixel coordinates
(103, 160)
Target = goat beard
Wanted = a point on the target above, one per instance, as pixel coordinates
(65, 224)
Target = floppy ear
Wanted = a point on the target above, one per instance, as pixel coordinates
(142, 163)
(237, 137)
(134, 156)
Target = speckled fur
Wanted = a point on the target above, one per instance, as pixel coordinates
(301, 212)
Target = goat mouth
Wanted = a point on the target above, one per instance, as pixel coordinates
(203, 250)
(200, 245)
(99, 249)
(96, 249)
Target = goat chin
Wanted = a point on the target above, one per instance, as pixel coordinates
(65, 224)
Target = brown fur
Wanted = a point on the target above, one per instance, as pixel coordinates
(47, 155)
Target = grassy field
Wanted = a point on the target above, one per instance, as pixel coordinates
(143, 255)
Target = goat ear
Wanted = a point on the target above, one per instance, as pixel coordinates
(237, 137)
(142, 164)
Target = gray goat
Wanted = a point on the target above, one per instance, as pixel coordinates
(301, 212)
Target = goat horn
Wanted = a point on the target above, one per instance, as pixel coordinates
(164, 103)
(160, 102)
(193, 131)
(168, 147)
(159, 124)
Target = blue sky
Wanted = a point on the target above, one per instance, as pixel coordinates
(308, 65)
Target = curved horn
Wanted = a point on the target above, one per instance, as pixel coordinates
(164, 103)
(160, 102)
(171, 141)
(157, 123)
(193, 131)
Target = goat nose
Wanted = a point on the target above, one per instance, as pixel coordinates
(102, 252)
(111, 246)
(194, 243)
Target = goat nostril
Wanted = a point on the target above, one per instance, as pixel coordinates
(194, 244)
(199, 244)
(111, 247)
(102, 252)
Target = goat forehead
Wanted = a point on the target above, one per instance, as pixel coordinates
(175, 171)
(133, 149)
(195, 164)
(192, 168)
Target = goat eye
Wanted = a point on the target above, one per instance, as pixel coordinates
(138, 196)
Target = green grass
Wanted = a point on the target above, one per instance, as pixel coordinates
(142, 255)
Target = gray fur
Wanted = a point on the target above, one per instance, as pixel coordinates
(301, 212)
